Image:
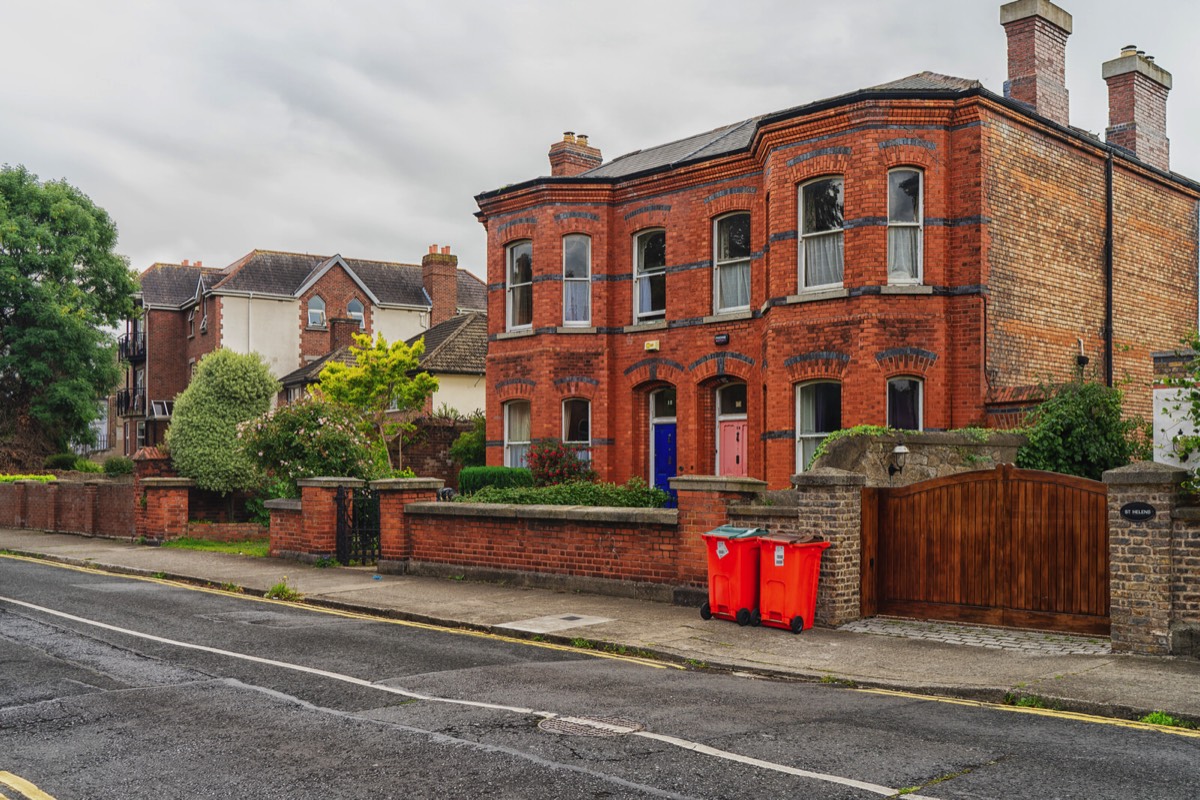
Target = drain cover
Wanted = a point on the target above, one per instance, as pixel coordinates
(590, 726)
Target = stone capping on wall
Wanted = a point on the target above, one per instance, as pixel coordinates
(828, 476)
(330, 483)
(1145, 472)
(408, 483)
(587, 514)
(717, 483)
(167, 483)
(283, 504)
(751, 510)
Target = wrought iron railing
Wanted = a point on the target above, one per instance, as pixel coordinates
(132, 346)
(131, 402)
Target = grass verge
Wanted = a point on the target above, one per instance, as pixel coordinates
(248, 547)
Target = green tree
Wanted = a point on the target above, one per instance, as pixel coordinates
(228, 389)
(470, 448)
(382, 385)
(1079, 430)
(60, 285)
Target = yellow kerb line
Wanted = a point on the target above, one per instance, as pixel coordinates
(427, 626)
(1041, 712)
(23, 786)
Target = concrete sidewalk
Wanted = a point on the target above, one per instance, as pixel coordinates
(1118, 686)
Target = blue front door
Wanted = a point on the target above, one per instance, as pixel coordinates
(664, 456)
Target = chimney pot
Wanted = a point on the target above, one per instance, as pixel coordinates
(199, 263)
(446, 250)
(573, 155)
(569, 137)
(581, 140)
(186, 263)
(432, 248)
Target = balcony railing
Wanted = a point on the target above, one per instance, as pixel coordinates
(131, 403)
(132, 346)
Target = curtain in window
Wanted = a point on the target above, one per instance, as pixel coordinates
(518, 433)
(576, 301)
(823, 258)
(904, 404)
(903, 252)
(522, 305)
(734, 289)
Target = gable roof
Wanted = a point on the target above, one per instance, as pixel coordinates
(458, 345)
(283, 274)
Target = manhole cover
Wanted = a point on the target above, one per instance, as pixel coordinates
(590, 726)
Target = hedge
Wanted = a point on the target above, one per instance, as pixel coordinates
(472, 479)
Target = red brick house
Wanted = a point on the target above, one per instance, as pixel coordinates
(292, 308)
(920, 254)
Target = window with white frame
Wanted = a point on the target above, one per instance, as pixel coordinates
(818, 414)
(516, 433)
(649, 276)
(141, 436)
(577, 427)
(191, 320)
(904, 403)
(577, 279)
(355, 310)
(316, 312)
(519, 289)
(905, 224)
(821, 218)
(731, 258)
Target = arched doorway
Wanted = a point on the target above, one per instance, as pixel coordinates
(662, 439)
(732, 429)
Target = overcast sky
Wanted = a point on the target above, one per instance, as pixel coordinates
(365, 127)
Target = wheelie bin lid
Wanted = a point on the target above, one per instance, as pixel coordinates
(734, 532)
(791, 538)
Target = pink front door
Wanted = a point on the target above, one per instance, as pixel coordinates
(732, 449)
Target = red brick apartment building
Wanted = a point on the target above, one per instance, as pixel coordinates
(920, 254)
(292, 308)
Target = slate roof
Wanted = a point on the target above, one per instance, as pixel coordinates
(283, 274)
(737, 137)
(172, 284)
(309, 372)
(458, 345)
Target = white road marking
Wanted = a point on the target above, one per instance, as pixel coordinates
(684, 744)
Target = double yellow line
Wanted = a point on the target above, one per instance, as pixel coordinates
(19, 784)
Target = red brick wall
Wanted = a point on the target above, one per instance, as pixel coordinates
(226, 531)
(337, 289)
(114, 509)
(12, 505)
(98, 509)
(1012, 246)
(429, 454)
(287, 531)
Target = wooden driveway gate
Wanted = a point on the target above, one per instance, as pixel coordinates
(1007, 546)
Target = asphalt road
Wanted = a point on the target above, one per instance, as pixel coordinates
(147, 689)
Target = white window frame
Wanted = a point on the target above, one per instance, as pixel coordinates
(722, 417)
(320, 319)
(802, 237)
(919, 225)
(642, 278)
(801, 437)
(191, 320)
(509, 286)
(586, 281)
(140, 436)
(920, 399)
(509, 443)
(360, 315)
(583, 448)
(730, 263)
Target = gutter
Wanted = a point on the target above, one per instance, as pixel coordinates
(1108, 270)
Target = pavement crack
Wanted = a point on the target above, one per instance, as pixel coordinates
(910, 791)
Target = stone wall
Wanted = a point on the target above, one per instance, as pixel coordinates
(930, 454)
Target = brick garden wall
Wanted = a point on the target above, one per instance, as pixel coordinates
(428, 454)
(95, 508)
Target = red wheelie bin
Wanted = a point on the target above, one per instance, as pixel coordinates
(789, 570)
(733, 564)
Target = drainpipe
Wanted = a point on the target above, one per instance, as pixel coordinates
(1108, 270)
(250, 317)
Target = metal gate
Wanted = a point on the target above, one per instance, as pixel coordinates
(1005, 547)
(357, 526)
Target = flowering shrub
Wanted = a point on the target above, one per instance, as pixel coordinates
(308, 439)
(553, 462)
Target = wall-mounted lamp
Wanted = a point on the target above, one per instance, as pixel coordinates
(899, 456)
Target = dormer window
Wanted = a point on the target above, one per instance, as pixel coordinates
(316, 312)
(354, 310)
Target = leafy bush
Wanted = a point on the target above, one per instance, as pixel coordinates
(472, 479)
(118, 465)
(1078, 430)
(469, 449)
(634, 494)
(83, 465)
(228, 389)
(308, 439)
(62, 461)
(553, 462)
(15, 478)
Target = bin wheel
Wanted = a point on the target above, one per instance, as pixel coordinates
(743, 617)
(705, 611)
(797, 624)
(756, 618)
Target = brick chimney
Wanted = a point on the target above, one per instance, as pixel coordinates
(439, 273)
(573, 155)
(341, 332)
(1137, 106)
(1037, 33)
